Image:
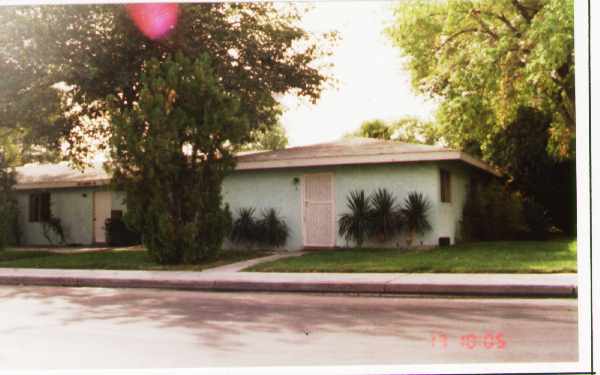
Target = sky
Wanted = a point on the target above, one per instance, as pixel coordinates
(371, 80)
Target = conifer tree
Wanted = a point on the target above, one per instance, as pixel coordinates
(170, 153)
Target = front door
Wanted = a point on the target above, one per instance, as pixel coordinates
(318, 210)
(102, 208)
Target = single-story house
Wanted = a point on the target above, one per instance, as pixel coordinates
(307, 185)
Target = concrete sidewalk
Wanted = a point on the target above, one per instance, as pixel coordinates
(534, 285)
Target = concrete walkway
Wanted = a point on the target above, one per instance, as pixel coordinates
(237, 267)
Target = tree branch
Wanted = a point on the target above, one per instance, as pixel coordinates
(504, 20)
(455, 35)
(524, 11)
(485, 28)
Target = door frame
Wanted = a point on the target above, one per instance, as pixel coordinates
(303, 211)
(94, 241)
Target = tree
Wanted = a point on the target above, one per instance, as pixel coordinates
(170, 153)
(8, 205)
(520, 151)
(374, 129)
(484, 59)
(406, 129)
(65, 60)
(414, 130)
(264, 139)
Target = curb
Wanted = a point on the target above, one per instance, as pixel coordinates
(387, 288)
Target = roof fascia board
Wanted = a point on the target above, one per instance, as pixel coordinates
(62, 184)
(350, 160)
(304, 162)
(479, 164)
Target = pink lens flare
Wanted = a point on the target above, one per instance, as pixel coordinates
(155, 20)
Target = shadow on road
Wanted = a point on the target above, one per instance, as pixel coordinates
(218, 319)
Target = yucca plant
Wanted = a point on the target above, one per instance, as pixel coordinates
(245, 228)
(415, 210)
(354, 225)
(273, 230)
(386, 218)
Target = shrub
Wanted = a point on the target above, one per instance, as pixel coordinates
(53, 227)
(471, 225)
(245, 229)
(385, 218)
(355, 224)
(415, 211)
(492, 213)
(9, 230)
(272, 230)
(119, 234)
(537, 219)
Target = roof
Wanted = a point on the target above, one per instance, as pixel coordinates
(345, 152)
(354, 151)
(60, 175)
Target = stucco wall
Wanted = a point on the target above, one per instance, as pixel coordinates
(74, 207)
(450, 214)
(282, 189)
(399, 180)
(267, 189)
(118, 201)
(276, 188)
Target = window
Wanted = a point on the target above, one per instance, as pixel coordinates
(445, 190)
(39, 207)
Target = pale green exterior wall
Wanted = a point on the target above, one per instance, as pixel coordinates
(277, 188)
(74, 208)
(268, 189)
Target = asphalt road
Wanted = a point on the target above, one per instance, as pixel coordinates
(53, 327)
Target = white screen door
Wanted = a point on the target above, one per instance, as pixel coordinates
(319, 210)
(102, 208)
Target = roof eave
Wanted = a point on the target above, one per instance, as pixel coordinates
(479, 164)
(366, 159)
(300, 163)
(62, 184)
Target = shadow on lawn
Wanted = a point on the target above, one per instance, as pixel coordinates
(218, 319)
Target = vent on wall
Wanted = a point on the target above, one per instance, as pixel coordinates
(444, 241)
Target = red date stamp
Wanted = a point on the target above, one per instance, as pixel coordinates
(471, 341)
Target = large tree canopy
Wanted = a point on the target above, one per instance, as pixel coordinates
(59, 63)
(486, 58)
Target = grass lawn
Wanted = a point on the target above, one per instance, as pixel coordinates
(481, 257)
(112, 260)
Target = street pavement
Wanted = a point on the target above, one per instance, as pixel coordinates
(91, 328)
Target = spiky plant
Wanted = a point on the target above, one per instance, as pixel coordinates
(273, 230)
(415, 211)
(244, 227)
(354, 225)
(385, 217)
